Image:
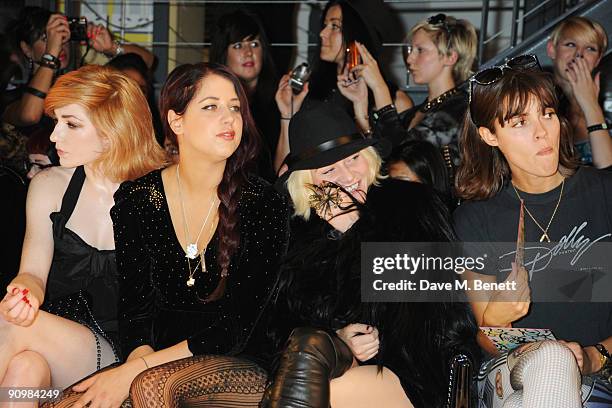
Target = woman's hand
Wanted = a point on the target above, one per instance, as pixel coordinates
(58, 32)
(361, 339)
(284, 96)
(370, 72)
(504, 306)
(18, 306)
(584, 87)
(368, 69)
(101, 39)
(586, 357)
(108, 388)
(355, 90)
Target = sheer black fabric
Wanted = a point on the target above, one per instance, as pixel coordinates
(201, 381)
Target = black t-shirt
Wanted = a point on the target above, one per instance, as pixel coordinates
(584, 213)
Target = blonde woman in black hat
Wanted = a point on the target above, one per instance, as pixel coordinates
(343, 22)
(341, 351)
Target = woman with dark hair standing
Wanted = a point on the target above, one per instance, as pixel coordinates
(343, 22)
(198, 247)
(241, 43)
(517, 154)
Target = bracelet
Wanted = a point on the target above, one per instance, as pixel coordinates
(35, 92)
(49, 61)
(283, 118)
(379, 113)
(604, 356)
(118, 50)
(599, 126)
(144, 361)
(368, 132)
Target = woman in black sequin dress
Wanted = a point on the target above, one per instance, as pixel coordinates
(198, 248)
(104, 136)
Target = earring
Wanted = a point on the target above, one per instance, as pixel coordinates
(31, 64)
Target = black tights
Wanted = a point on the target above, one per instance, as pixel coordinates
(202, 381)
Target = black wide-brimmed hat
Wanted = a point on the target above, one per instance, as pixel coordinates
(323, 134)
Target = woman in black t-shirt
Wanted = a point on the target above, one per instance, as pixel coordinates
(516, 149)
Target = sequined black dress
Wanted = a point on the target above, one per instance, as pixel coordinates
(156, 306)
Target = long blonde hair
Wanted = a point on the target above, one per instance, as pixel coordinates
(120, 113)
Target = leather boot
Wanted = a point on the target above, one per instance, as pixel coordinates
(310, 361)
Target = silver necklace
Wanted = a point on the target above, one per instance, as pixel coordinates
(191, 251)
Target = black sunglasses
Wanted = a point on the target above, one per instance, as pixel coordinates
(439, 20)
(488, 76)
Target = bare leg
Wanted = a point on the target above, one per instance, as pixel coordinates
(68, 347)
(365, 387)
(26, 369)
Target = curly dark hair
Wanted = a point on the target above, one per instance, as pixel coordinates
(178, 91)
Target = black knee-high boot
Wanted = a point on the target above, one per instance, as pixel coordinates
(311, 360)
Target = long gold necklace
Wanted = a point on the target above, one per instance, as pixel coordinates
(191, 251)
(544, 236)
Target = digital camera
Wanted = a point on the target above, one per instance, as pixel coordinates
(78, 28)
(299, 76)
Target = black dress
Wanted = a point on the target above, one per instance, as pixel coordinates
(320, 286)
(82, 283)
(157, 308)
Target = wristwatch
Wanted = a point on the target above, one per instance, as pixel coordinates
(599, 126)
(118, 50)
(604, 357)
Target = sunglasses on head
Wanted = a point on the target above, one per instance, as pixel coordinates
(439, 20)
(488, 76)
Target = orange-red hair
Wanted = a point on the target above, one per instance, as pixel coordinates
(120, 113)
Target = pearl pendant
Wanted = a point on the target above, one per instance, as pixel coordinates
(544, 237)
(190, 282)
(192, 251)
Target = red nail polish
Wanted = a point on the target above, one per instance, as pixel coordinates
(25, 291)
(15, 291)
(25, 299)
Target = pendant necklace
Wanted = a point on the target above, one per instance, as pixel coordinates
(544, 236)
(191, 251)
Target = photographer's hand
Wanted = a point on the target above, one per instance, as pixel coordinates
(101, 39)
(370, 72)
(58, 32)
(355, 91)
(283, 97)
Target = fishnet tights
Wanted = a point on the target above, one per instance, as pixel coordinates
(202, 381)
